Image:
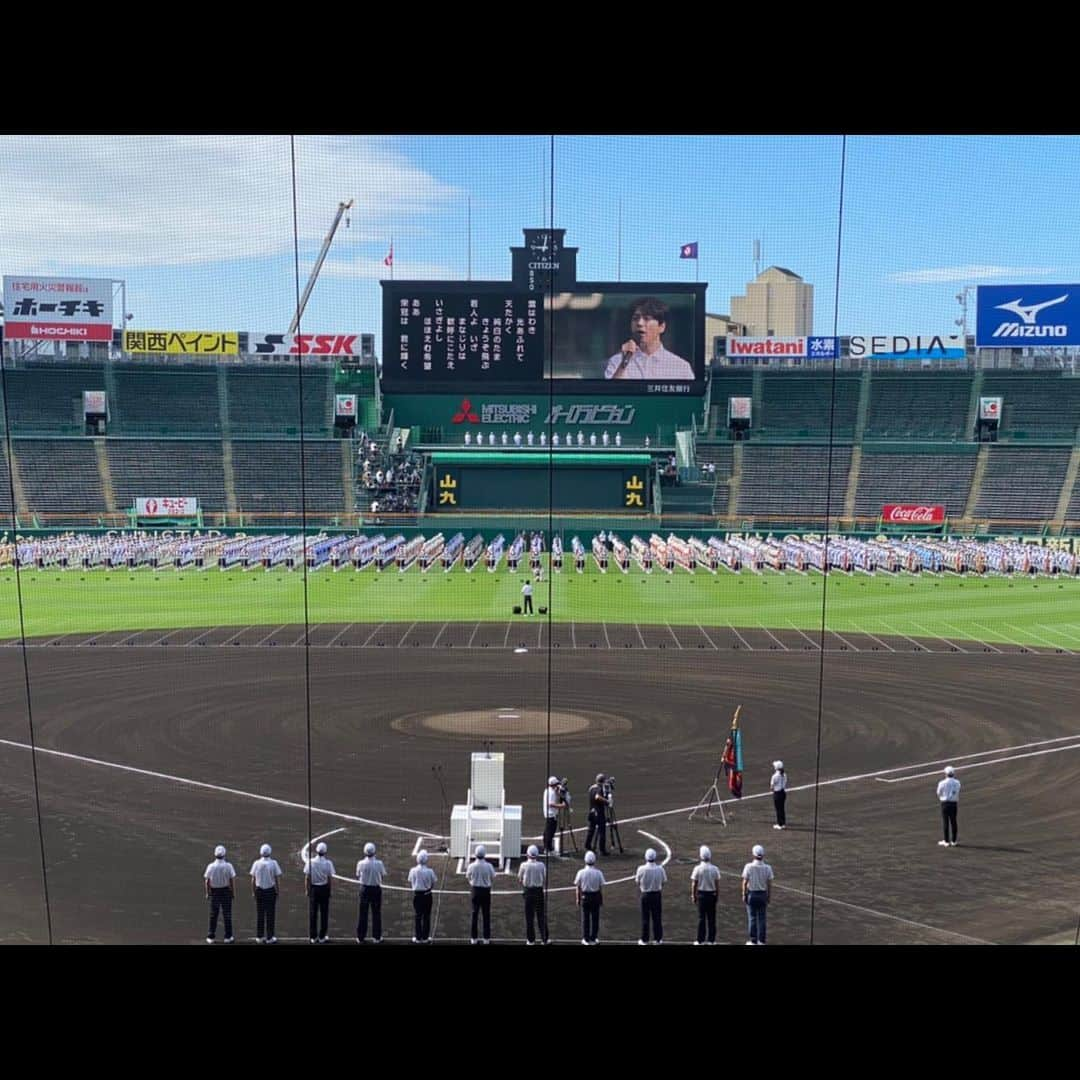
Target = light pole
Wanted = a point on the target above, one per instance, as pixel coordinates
(962, 300)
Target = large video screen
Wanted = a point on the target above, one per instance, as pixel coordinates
(446, 336)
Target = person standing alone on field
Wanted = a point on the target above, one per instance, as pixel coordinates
(778, 783)
(948, 793)
(526, 594)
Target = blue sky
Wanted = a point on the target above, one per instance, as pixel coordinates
(201, 227)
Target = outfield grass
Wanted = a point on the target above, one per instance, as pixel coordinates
(1037, 612)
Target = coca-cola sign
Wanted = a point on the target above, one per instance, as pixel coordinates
(912, 514)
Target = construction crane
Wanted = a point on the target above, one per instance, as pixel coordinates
(342, 208)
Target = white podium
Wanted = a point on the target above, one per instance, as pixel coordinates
(485, 818)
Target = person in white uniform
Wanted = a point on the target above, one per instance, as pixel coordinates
(265, 876)
(370, 873)
(218, 878)
(778, 784)
(948, 793)
(704, 890)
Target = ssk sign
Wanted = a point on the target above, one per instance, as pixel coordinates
(304, 344)
(911, 514)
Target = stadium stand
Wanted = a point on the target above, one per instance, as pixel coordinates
(1022, 484)
(917, 405)
(267, 477)
(60, 479)
(914, 477)
(264, 400)
(782, 480)
(800, 406)
(1036, 405)
(179, 467)
(163, 402)
(48, 400)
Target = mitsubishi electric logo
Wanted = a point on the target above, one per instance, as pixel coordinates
(1029, 327)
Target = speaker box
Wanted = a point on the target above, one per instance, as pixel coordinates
(543, 610)
(517, 609)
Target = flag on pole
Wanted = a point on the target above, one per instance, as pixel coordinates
(688, 251)
(389, 260)
(733, 757)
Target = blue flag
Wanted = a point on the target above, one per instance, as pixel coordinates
(688, 251)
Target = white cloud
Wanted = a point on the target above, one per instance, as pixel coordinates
(110, 203)
(962, 275)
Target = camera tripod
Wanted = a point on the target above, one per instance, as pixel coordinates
(613, 825)
(710, 798)
(565, 829)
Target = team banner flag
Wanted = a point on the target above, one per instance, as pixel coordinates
(733, 757)
(688, 251)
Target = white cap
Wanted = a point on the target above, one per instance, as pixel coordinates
(705, 853)
(757, 851)
(219, 852)
(421, 857)
(265, 849)
(553, 779)
(590, 857)
(533, 851)
(650, 855)
(949, 770)
(777, 764)
(481, 851)
(320, 849)
(369, 849)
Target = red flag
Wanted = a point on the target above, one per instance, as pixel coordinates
(389, 260)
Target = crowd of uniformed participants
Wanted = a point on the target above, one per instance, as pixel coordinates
(650, 879)
(137, 549)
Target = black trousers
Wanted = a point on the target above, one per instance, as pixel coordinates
(591, 902)
(598, 830)
(948, 820)
(535, 913)
(651, 911)
(370, 897)
(550, 824)
(265, 912)
(706, 916)
(220, 900)
(528, 605)
(319, 911)
(779, 798)
(421, 902)
(481, 905)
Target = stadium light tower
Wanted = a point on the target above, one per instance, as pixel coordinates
(962, 300)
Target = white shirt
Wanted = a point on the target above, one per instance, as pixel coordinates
(757, 875)
(551, 797)
(778, 781)
(707, 877)
(265, 871)
(219, 873)
(526, 589)
(517, 438)
(531, 874)
(480, 874)
(589, 880)
(320, 870)
(949, 789)
(370, 871)
(659, 365)
(422, 879)
(650, 877)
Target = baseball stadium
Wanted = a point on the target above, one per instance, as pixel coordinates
(483, 563)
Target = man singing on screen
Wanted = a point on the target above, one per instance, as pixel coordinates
(642, 355)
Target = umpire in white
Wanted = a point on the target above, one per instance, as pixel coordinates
(948, 793)
(265, 874)
(318, 874)
(421, 881)
(370, 873)
(480, 877)
(532, 874)
(218, 877)
(704, 887)
(650, 878)
(589, 895)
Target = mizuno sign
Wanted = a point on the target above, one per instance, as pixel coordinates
(1015, 316)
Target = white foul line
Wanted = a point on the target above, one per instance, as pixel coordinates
(981, 764)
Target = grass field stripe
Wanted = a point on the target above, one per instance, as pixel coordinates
(1060, 633)
(672, 633)
(775, 638)
(860, 630)
(741, 638)
(1019, 644)
(707, 638)
(372, 634)
(982, 764)
(187, 782)
(807, 636)
(1039, 637)
(928, 633)
(331, 641)
(965, 637)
